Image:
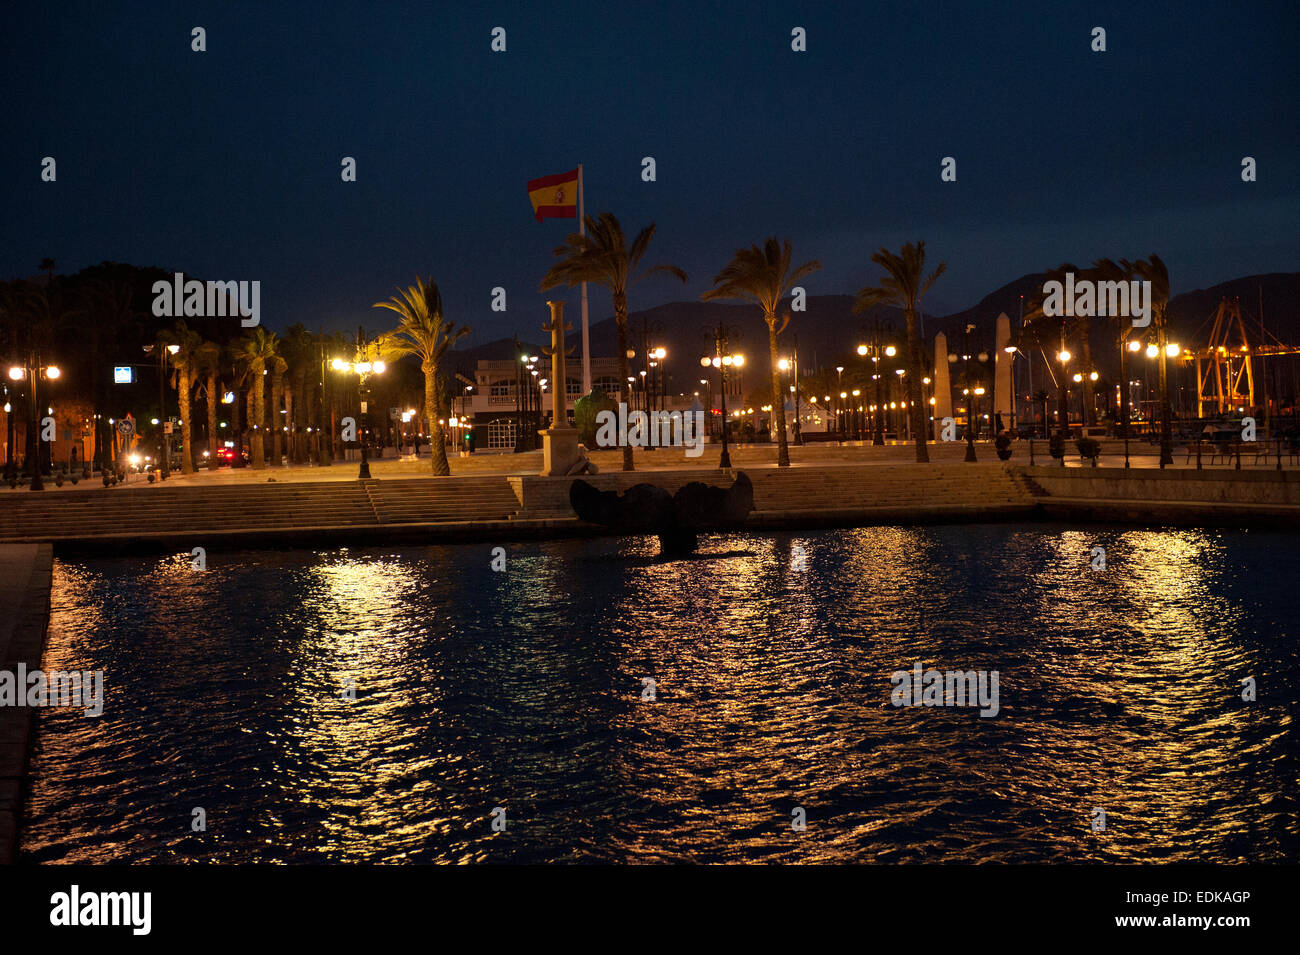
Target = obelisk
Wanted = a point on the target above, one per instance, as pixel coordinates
(559, 441)
(1002, 397)
(942, 389)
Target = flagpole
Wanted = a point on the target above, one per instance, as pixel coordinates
(586, 343)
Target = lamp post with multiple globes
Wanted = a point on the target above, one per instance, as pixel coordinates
(363, 367)
(34, 372)
(876, 351)
(724, 360)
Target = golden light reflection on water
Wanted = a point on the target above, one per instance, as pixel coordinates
(771, 658)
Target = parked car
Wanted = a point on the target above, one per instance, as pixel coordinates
(226, 457)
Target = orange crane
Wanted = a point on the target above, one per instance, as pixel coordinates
(1225, 376)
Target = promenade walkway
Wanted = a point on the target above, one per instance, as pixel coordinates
(25, 578)
(501, 497)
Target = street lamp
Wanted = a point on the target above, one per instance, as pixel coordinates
(363, 368)
(34, 372)
(792, 364)
(876, 350)
(164, 452)
(1011, 351)
(972, 423)
(723, 360)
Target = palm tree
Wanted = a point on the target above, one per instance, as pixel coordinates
(277, 367)
(904, 287)
(12, 345)
(1042, 397)
(207, 363)
(603, 257)
(424, 331)
(300, 351)
(1107, 270)
(331, 344)
(1079, 328)
(1152, 269)
(184, 374)
(43, 317)
(763, 276)
(108, 303)
(253, 353)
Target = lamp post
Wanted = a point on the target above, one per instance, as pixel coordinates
(1163, 349)
(791, 364)
(34, 372)
(902, 401)
(972, 422)
(1062, 408)
(1078, 379)
(164, 452)
(839, 385)
(876, 350)
(723, 360)
(15, 376)
(363, 368)
(1167, 351)
(1011, 351)
(659, 375)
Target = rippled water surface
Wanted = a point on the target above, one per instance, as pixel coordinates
(771, 657)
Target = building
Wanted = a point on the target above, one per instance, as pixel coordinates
(511, 400)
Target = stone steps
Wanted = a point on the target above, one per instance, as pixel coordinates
(832, 489)
(157, 509)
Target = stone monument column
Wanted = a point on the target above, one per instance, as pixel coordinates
(559, 441)
(942, 388)
(1002, 397)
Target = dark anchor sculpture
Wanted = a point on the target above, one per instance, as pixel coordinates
(675, 518)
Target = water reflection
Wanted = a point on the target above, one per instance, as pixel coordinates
(471, 689)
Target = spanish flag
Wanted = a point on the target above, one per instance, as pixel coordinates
(555, 197)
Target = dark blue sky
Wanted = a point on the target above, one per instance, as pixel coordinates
(225, 164)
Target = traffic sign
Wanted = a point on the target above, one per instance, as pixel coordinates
(125, 428)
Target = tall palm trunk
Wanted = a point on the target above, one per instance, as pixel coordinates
(237, 431)
(187, 413)
(212, 418)
(1089, 403)
(276, 424)
(432, 408)
(96, 404)
(290, 422)
(620, 319)
(915, 411)
(257, 420)
(778, 399)
(324, 426)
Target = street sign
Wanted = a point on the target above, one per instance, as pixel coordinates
(122, 375)
(125, 428)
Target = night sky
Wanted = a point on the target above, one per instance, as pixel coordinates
(225, 164)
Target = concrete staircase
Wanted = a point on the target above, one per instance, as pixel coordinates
(160, 509)
(434, 500)
(934, 487)
(835, 492)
